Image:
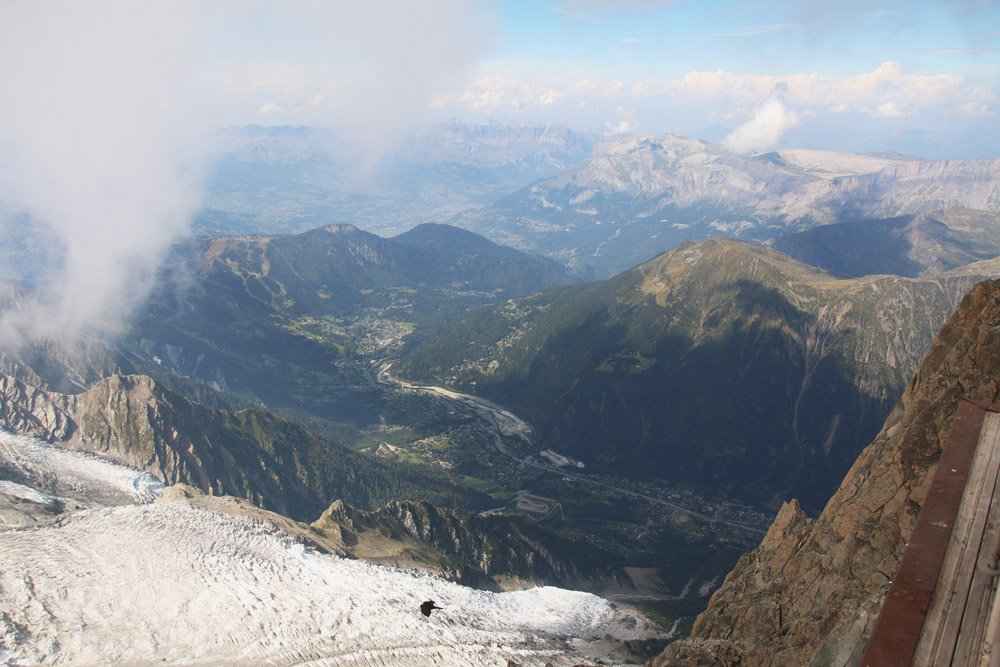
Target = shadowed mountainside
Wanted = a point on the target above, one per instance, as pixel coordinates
(810, 593)
(720, 363)
(909, 245)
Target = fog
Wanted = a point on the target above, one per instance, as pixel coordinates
(105, 125)
(101, 151)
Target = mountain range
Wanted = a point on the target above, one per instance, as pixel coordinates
(295, 321)
(909, 245)
(637, 196)
(720, 363)
(279, 180)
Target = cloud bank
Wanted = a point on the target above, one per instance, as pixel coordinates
(864, 92)
(99, 148)
(372, 66)
(887, 93)
(108, 106)
(764, 132)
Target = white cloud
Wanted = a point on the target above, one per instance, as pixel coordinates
(493, 93)
(626, 122)
(105, 110)
(764, 132)
(975, 110)
(888, 85)
(100, 143)
(633, 41)
(376, 66)
(889, 110)
(885, 92)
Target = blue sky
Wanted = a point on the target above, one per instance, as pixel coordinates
(871, 75)
(921, 77)
(908, 76)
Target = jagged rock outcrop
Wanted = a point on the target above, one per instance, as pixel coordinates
(131, 420)
(251, 454)
(810, 593)
(32, 411)
(492, 551)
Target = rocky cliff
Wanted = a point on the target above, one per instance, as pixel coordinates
(810, 593)
(251, 454)
(486, 551)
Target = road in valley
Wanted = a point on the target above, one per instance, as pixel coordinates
(506, 423)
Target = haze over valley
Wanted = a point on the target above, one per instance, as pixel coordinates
(619, 330)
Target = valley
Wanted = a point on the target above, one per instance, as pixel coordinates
(435, 400)
(723, 520)
(719, 364)
(336, 330)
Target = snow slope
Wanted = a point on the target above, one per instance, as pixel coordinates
(77, 475)
(170, 584)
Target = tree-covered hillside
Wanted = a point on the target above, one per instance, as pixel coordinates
(720, 363)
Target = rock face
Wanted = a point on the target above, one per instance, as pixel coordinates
(492, 551)
(488, 552)
(810, 593)
(250, 454)
(637, 196)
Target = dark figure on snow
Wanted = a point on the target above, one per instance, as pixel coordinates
(426, 607)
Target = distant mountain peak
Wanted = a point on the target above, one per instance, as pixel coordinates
(340, 228)
(636, 196)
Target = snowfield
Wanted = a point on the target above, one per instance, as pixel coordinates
(170, 584)
(76, 474)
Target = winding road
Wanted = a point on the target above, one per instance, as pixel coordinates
(506, 422)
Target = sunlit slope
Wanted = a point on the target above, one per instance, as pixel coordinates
(720, 363)
(270, 316)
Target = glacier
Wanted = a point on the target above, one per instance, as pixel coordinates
(138, 582)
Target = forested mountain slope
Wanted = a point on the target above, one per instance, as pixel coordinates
(720, 363)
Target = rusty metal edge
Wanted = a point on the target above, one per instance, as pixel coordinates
(897, 629)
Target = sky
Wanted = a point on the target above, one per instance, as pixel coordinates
(107, 106)
(904, 75)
